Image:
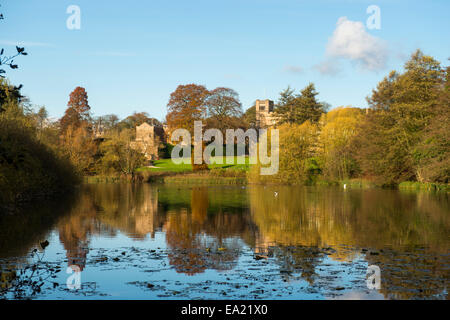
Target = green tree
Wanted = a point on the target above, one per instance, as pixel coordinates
(433, 150)
(401, 108)
(119, 154)
(28, 168)
(249, 117)
(136, 119)
(292, 108)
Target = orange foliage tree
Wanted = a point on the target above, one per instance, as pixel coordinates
(78, 109)
(186, 105)
(76, 132)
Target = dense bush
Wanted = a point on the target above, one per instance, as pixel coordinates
(28, 168)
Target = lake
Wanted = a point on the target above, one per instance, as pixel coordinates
(149, 241)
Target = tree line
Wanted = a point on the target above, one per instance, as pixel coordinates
(402, 136)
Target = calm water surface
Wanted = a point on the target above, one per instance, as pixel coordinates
(220, 242)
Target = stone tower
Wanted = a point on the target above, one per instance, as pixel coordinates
(148, 138)
(264, 113)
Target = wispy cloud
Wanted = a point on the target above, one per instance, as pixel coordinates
(25, 43)
(114, 54)
(328, 67)
(293, 69)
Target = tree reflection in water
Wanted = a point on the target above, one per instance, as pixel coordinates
(405, 234)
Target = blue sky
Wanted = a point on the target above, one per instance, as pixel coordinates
(130, 55)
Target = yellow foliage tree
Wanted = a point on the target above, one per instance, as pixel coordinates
(338, 127)
(80, 147)
(297, 145)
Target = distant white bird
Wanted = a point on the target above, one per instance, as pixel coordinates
(345, 186)
(276, 194)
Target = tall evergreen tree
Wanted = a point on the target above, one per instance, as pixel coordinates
(292, 108)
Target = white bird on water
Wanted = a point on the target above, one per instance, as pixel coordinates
(276, 194)
(345, 186)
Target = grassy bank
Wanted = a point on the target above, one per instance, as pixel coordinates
(204, 179)
(103, 179)
(212, 176)
(358, 184)
(165, 171)
(411, 185)
(167, 165)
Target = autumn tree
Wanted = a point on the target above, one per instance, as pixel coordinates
(296, 150)
(119, 153)
(77, 140)
(224, 109)
(80, 147)
(187, 104)
(78, 111)
(337, 131)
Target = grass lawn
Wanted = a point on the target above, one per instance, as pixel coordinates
(166, 165)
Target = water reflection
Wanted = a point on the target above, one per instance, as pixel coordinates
(406, 235)
(298, 229)
(327, 216)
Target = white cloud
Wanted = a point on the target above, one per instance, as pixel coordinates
(293, 69)
(350, 40)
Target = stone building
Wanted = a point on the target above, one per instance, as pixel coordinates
(148, 140)
(264, 113)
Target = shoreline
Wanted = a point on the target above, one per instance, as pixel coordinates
(234, 177)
